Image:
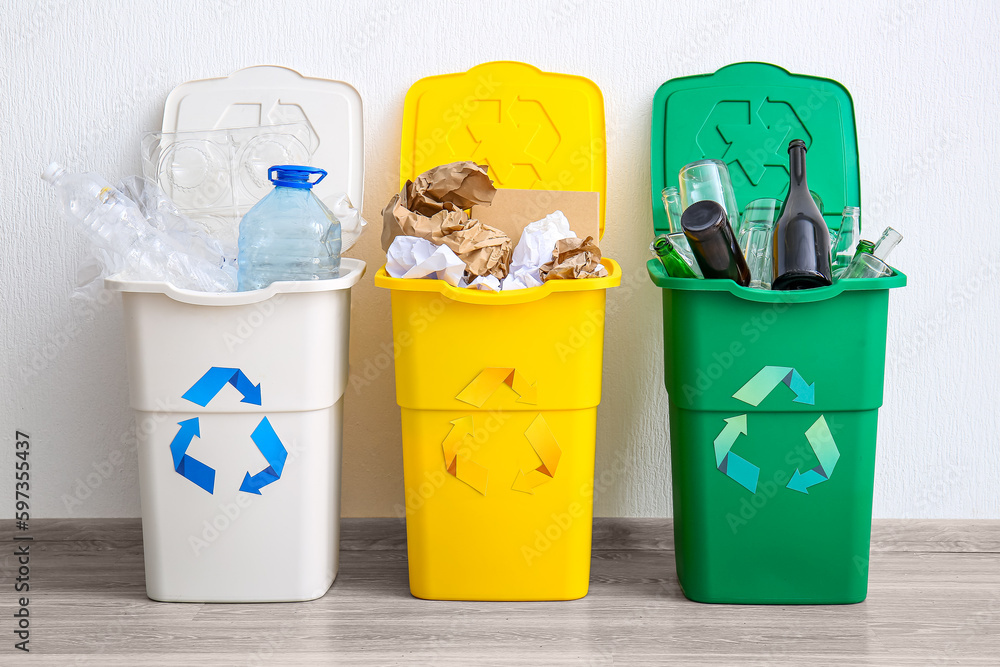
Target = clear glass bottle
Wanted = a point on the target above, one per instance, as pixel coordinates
(869, 260)
(709, 179)
(759, 217)
(890, 239)
(671, 198)
(847, 236)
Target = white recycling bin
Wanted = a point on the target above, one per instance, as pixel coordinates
(239, 396)
(238, 401)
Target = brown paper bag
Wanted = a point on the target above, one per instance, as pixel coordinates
(574, 258)
(433, 208)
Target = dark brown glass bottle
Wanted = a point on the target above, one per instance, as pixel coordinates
(801, 237)
(713, 243)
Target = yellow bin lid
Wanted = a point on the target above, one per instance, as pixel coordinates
(536, 130)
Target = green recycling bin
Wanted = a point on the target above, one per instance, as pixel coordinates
(774, 396)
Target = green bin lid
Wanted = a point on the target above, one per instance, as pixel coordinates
(745, 115)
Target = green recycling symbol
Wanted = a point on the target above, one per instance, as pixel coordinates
(819, 436)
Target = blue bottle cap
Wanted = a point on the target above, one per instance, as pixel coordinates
(294, 176)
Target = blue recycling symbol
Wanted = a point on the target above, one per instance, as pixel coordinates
(267, 441)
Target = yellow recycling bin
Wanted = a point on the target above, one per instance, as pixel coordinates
(498, 392)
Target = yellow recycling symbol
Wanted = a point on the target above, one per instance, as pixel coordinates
(514, 131)
(538, 433)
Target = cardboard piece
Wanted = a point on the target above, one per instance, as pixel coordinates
(513, 210)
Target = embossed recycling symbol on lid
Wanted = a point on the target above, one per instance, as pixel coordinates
(752, 135)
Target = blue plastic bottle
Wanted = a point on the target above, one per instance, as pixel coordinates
(289, 234)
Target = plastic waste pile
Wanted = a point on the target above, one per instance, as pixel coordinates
(137, 234)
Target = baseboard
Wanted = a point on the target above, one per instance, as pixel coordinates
(610, 534)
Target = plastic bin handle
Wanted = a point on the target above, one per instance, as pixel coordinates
(295, 171)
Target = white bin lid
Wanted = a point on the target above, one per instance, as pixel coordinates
(271, 95)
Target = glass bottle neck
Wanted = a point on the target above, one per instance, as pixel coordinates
(864, 246)
(663, 248)
(797, 167)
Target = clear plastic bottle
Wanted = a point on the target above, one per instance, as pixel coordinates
(289, 234)
(127, 245)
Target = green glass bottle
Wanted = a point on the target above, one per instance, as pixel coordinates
(869, 260)
(864, 246)
(673, 262)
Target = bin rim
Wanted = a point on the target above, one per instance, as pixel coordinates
(355, 269)
(483, 297)
(660, 278)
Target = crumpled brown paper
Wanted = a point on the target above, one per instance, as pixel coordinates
(574, 258)
(433, 208)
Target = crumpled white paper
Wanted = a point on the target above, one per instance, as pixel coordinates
(534, 249)
(487, 283)
(413, 257)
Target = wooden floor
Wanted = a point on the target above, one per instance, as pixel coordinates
(934, 598)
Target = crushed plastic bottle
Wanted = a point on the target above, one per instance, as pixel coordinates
(289, 234)
(351, 223)
(164, 215)
(128, 246)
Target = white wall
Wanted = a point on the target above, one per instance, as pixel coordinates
(82, 85)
